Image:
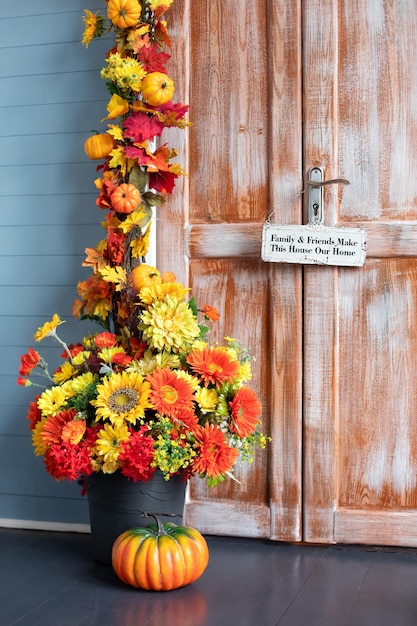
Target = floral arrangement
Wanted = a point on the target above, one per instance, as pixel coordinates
(147, 392)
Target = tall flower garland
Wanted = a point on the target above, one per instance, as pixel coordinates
(138, 171)
(147, 392)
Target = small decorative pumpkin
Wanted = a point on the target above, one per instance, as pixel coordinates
(160, 556)
(125, 198)
(123, 13)
(99, 146)
(157, 88)
(144, 275)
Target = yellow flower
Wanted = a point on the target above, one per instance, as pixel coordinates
(125, 72)
(169, 325)
(207, 399)
(159, 291)
(109, 440)
(52, 400)
(79, 385)
(37, 441)
(65, 372)
(122, 397)
(94, 26)
(81, 357)
(49, 328)
(245, 372)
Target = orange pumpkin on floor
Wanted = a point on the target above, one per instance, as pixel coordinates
(160, 557)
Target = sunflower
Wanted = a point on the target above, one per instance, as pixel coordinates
(122, 397)
(213, 365)
(49, 328)
(94, 27)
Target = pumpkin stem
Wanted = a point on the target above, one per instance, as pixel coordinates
(161, 530)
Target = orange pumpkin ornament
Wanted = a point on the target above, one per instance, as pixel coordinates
(157, 88)
(125, 198)
(99, 146)
(144, 276)
(123, 13)
(160, 556)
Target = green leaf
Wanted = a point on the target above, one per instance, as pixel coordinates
(153, 199)
(138, 177)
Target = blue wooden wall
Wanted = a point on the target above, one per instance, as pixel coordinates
(51, 98)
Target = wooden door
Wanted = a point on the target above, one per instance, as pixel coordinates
(360, 392)
(275, 88)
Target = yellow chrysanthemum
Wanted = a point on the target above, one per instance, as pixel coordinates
(81, 357)
(151, 362)
(159, 291)
(40, 447)
(122, 397)
(245, 372)
(169, 325)
(79, 385)
(49, 328)
(207, 399)
(65, 372)
(52, 400)
(125, 72)
(109, 441)
(94, 27)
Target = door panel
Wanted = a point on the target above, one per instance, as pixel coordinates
(276, 88)
(359, 392)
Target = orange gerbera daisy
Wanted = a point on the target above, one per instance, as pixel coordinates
(170, 394)
(213, 365)
(245, 409)
(214, 456)
(53, 426)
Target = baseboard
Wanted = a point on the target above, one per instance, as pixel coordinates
(25, 524)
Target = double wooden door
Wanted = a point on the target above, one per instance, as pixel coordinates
(275, 88)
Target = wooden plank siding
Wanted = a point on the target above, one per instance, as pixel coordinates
(51, 98)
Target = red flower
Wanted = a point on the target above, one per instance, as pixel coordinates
(120, 358)
(28, 362)
(213, 365)
(105, 340)
(245, 409)
(68, 462)
(137, 454)
(34, 414)
(214, 456)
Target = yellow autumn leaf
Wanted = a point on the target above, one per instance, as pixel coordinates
(116, 107)
(140, 246)
(115, 275)
(118, 159)
(133, 219)
(115, 131)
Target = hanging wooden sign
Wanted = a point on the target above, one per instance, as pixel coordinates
(313, 244)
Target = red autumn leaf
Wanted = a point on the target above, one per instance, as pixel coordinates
(162, 181)
(152, 60)
(141, 127)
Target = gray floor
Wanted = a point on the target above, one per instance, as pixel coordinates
(51, 579)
